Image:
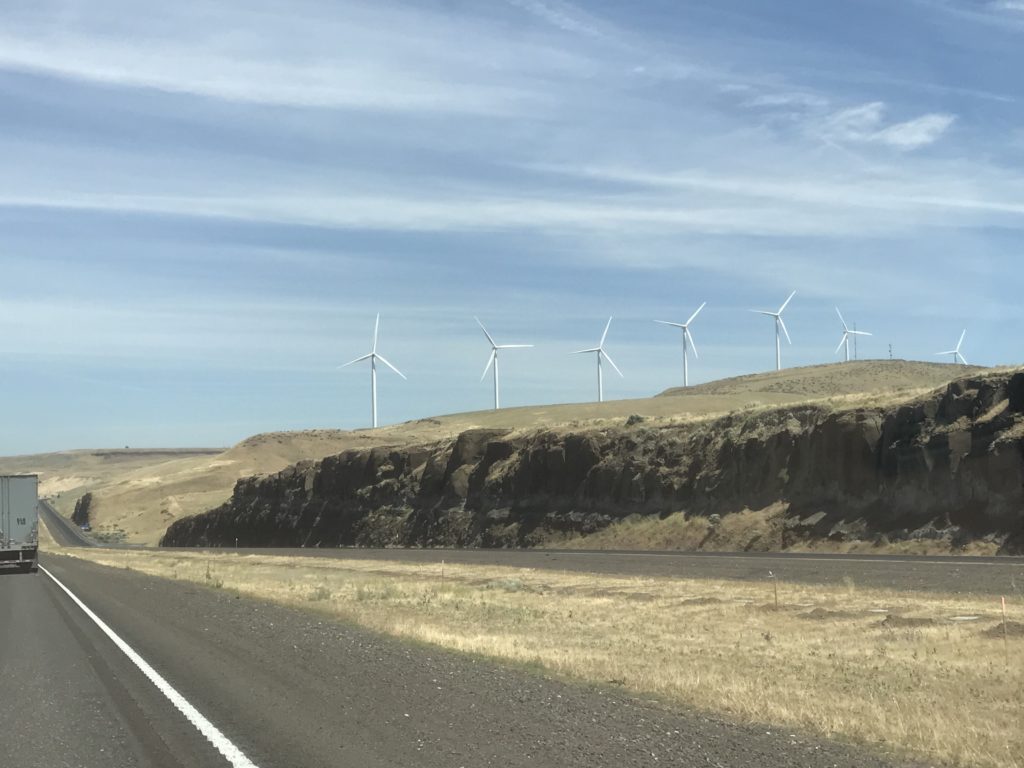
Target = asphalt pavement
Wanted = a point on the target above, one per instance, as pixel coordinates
(957, 575)
(64, 532)
(289, 688)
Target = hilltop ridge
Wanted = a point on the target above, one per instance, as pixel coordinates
(943, 469)
(138, 493)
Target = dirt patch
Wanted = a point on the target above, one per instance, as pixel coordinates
(1012, 629)
(824, 614)
(700, 601)
(894, 621)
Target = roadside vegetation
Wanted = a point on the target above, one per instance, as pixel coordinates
(939, 677)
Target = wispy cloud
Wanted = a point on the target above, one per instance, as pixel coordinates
(865, 123)
(386, 56)
(210, 187)
(1009, 5)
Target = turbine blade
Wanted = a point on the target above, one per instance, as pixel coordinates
(357, 360)
(605, 334)
(961, 342)
(389, 365)
(963, 359)
(694, 315)
(693, 344)
(513, 346)
(376, 332)
(845, 326)
(763, 312)
(584, 351)
(783, 307)
(845, 337)
(948, 352)
(859, 333)
(485, 331)
(490, 360)
(609, 359)
(783, 324)
(674, 325)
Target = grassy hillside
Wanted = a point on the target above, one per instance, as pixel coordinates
(138, 493)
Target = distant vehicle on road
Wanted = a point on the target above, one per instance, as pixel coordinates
(86, 527)
(19, 522)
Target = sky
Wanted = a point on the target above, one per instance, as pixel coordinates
(204, 205)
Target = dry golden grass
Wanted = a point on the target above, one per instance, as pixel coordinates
(748, 530)
(924, 682)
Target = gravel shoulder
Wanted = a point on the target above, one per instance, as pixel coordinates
(293, 688)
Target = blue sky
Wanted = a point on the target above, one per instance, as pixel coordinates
(203, 205)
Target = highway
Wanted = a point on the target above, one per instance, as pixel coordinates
(956, 575)
(287, 688)
(964, 575)
(64, 532)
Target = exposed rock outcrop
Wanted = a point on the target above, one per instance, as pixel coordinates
(950, 465)
(83, 506)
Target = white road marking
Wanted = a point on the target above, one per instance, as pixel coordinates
(234, 755)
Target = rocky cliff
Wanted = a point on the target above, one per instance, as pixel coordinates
(947, 465)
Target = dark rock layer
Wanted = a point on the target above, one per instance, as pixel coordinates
(83, 507)
(949, 466)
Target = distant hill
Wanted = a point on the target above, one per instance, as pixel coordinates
(138, 493)
(862, 376)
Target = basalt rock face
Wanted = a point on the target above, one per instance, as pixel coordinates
(82, 508)
(950, 465)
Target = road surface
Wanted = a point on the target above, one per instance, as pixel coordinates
(287, 688)
(959, 575)
(64, 532)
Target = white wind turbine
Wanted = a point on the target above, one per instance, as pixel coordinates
(957, 357)
(493, 360)
(599, 350)
(779, 325)
(847, 333)
(687, 341)
(373, 357)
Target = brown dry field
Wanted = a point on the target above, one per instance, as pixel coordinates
(137, 494)
(926, 675)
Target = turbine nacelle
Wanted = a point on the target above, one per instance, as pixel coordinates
(492, 359)
(847, 333)
(688, 341)
(957, 357)
(601, 354)
(373, 356)
(779, 324)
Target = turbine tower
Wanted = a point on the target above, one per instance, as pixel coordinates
(373, 357)
(687, 341)
(957, 357)
(779, 325)
(600, 352)
(493, 360)
(847, 333)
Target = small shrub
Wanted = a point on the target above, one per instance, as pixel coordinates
(318, 594)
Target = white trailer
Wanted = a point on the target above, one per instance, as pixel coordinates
(19, 522)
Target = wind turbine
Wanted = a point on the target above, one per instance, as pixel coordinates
(779, 324)
(847, 333)
(599, 350)
(373, 357)
(957, 357)
(687, 341)
(493, 359)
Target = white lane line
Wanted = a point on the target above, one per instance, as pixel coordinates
(234, 755)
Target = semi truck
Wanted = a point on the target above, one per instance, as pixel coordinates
(19, 522)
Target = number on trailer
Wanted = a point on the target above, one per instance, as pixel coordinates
(21, 521)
